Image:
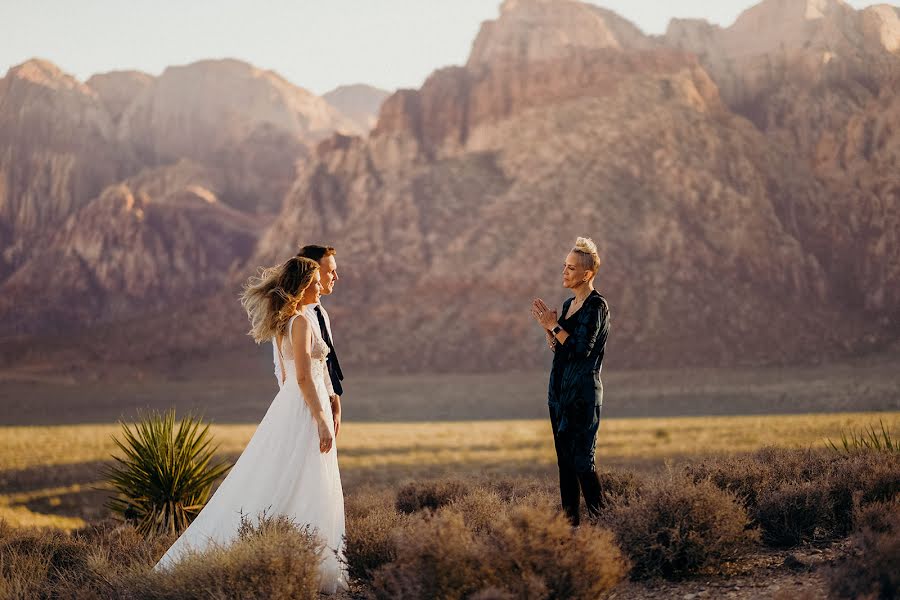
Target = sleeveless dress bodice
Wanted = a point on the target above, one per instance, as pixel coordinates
(318, 352)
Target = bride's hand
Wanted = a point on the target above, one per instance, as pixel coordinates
(326, 439)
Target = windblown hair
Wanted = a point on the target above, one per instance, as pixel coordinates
(315, 252)
(271, 298)
(586, 251)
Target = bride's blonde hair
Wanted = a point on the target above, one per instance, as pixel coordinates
(586, 251)
(271, 297)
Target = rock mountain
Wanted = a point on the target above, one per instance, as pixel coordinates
(742, 184)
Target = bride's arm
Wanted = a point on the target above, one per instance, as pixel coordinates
(301, 337)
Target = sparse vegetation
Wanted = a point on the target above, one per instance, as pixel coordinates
(491, 536)
(872, 567)
(165, 476)
(803, 495)
(881, 440)
(675, 527)
(483, 546)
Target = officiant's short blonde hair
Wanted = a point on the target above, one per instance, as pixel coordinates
(586, 251)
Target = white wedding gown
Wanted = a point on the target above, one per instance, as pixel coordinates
(282, 472)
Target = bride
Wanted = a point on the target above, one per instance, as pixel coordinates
(289, 467)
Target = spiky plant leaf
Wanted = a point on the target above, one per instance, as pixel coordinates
(868, 440)
(164, 474)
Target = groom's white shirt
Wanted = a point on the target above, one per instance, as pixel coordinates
(311, 311)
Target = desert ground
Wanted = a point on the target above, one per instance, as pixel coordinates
(58, 435)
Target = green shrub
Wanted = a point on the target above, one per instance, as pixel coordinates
(869, 439)
(165, 477)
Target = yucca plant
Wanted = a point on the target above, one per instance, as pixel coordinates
(868, 439)
(164, 476)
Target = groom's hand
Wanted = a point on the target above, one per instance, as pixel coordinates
(336, 411)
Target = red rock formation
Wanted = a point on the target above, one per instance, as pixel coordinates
(57, 151)
(358, 102)
(154, 240)
(740, 183)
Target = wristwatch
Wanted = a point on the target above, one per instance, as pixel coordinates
(556, 329)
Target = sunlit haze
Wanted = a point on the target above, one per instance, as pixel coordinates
(317, 45)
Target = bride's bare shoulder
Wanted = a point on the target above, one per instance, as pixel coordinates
(300, 328)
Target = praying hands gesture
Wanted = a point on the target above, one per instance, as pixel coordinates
(543, 315)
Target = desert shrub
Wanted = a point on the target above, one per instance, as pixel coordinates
(874, 476)
(795, 512)
(802, 495)
(438, 556)
(768, 468)
(164, 478)
(34, 562)
(518, 490)
(271, 558)
(363, 501)
(872, 567)
(536, 554)
(616, 483)
(94, 562)
(520, 552)
(430, 495)
(369, 542)
(676, 526)
(481, 508)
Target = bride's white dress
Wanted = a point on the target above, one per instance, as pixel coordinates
(282, 472)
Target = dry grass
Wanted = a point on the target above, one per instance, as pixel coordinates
(383, 454)
(372, 445)
(497, 538)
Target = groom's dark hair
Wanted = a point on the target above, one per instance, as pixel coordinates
(315, 252)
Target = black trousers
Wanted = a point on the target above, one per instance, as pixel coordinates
(575, 438)
(572, 485)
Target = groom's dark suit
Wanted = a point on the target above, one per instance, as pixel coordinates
(334, 366)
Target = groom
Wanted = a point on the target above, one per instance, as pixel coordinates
(324, 255)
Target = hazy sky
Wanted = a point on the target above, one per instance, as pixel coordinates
(316, 44)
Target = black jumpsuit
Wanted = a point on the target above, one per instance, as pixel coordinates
(575, 398)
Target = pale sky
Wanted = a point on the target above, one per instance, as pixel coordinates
(316, 44)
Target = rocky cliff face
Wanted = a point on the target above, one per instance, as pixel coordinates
(231, 115)
(741, 184)
(532, 31)
(469, 190)
(98, 227)
(820, 79)
(57, 150)
(358, 102)
(118, 89)
(62, 141)
(154, 240)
